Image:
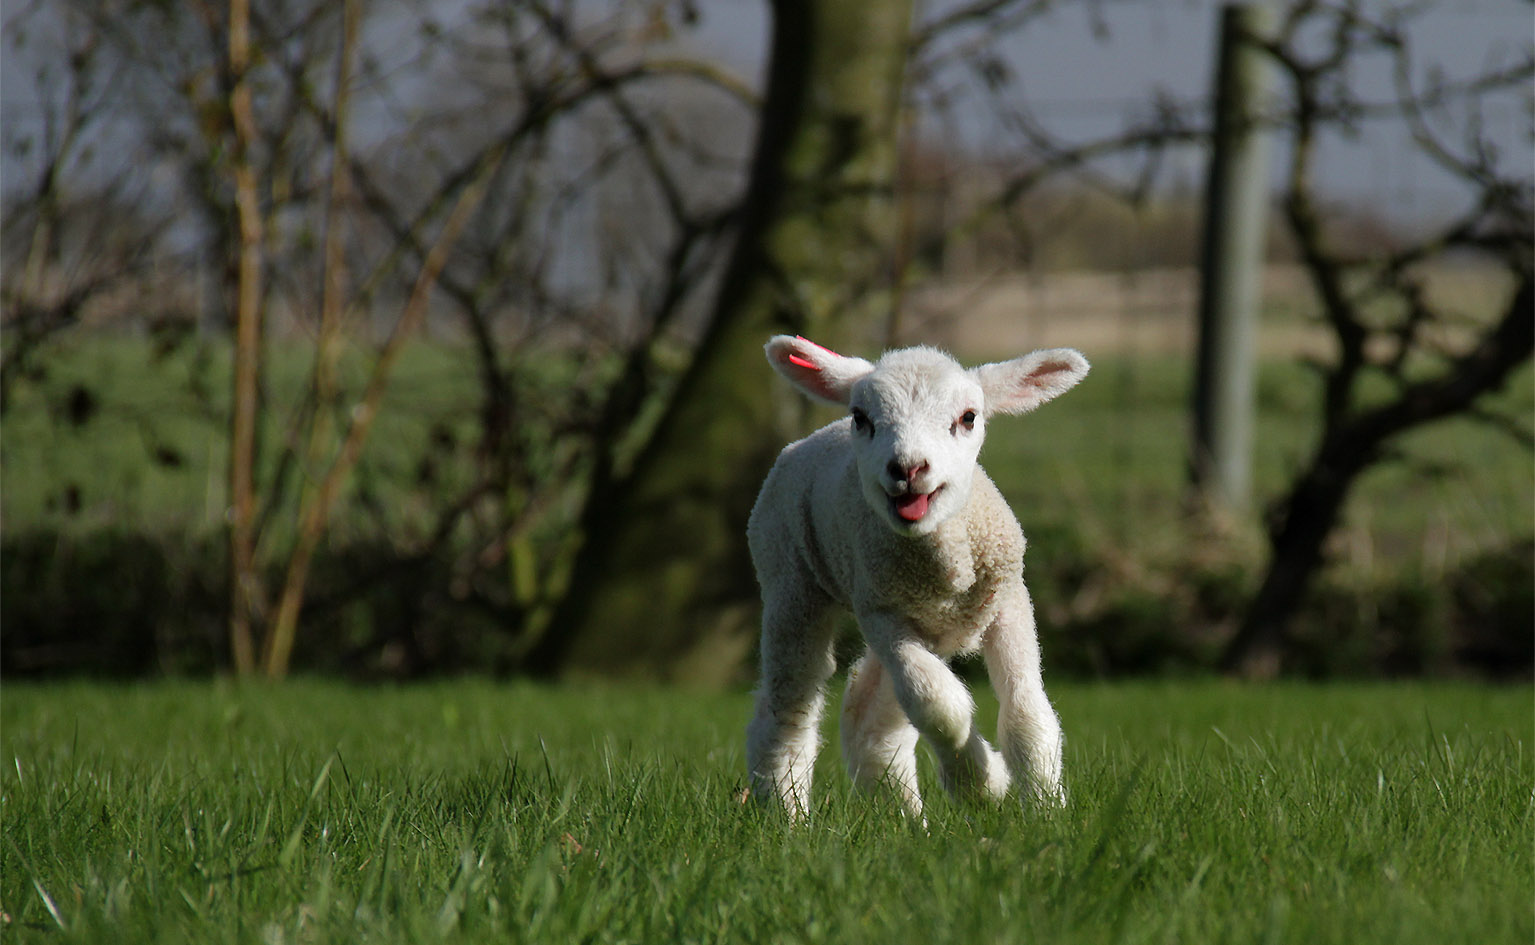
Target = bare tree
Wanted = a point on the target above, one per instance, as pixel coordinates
(1438, 360)
(78, 235)
(244, 410)
(663, 541)
(659, 197)
(576, 76)
(576, 166)
(1386, 326)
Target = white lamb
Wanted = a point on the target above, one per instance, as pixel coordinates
(888, 514)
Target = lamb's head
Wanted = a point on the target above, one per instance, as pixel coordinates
(918, 418)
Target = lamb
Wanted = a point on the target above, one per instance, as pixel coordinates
(887, 513)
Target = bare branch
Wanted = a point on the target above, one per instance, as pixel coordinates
(316, 515)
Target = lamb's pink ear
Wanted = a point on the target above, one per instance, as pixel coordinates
(825, 375)
(1020, 385)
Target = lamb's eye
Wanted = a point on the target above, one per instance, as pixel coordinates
(967, 419)
(861, 421)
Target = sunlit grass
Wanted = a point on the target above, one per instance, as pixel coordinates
(471, 811)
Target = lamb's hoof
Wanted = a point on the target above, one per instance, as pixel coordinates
(979, 774)
(998, 779)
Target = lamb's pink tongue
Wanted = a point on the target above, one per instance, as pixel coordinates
(911, 506)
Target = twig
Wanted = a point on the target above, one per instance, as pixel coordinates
(315, 516)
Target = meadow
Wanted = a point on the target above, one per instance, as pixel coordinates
(114, 497)
(474, 811)
(146, 449)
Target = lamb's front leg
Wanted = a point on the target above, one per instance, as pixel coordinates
(1027, 728)
(784, 733)
(941, 708)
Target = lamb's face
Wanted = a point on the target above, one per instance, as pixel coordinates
(918, 418)
(918, 423)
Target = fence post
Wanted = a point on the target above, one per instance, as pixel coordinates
(1236, 201)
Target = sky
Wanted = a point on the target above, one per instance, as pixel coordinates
(1087, 68)
(1083, 82)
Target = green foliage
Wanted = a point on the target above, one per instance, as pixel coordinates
(471, 812)
(1109, 462)
(113, 561)
(1430, 572)
(110, 602)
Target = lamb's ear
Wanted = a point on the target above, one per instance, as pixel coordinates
(1020, 385)
(825, 375)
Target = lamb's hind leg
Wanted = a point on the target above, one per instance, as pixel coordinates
(784, 734)
(878, 740)
(1027, 728)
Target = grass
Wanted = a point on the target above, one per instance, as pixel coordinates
(477, 812)
(148, 452)
(1111, 456)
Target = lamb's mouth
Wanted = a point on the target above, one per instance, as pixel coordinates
(912, 507)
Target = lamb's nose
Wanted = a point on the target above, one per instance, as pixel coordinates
(902, 473)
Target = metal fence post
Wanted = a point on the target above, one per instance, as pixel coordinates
(1231, 264)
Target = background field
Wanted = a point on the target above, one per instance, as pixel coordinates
(146, 448)
(114, 548)
(469, 812)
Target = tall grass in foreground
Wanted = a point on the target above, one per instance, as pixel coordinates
(470, 811)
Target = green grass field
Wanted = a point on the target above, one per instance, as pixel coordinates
(471, 811)
(1108, 462)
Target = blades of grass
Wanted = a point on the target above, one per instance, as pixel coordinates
(1277, 920)
(1360, 842)
(1109, 823)
(1197, 881)
(378, 890)
(290, 847)
(540, 888)
(190, 833)
(48, 903)
(345, 774)
(452, 909)
(548, 768)
(197, 910)
(322, 777)
(258, 838)
(633, 801)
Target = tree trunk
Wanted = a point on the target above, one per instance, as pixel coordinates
(1311, 511)
(663, 584)
(245, 595)
(1352, 445)
(1231, 268)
